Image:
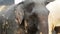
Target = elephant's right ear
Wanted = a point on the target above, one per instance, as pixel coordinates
(19, 13)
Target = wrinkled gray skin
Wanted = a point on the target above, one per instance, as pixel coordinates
(38, 23)
(9, 16)
(33, 11)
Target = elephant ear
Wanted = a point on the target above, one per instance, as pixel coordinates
(29, 7)
(19, 13)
